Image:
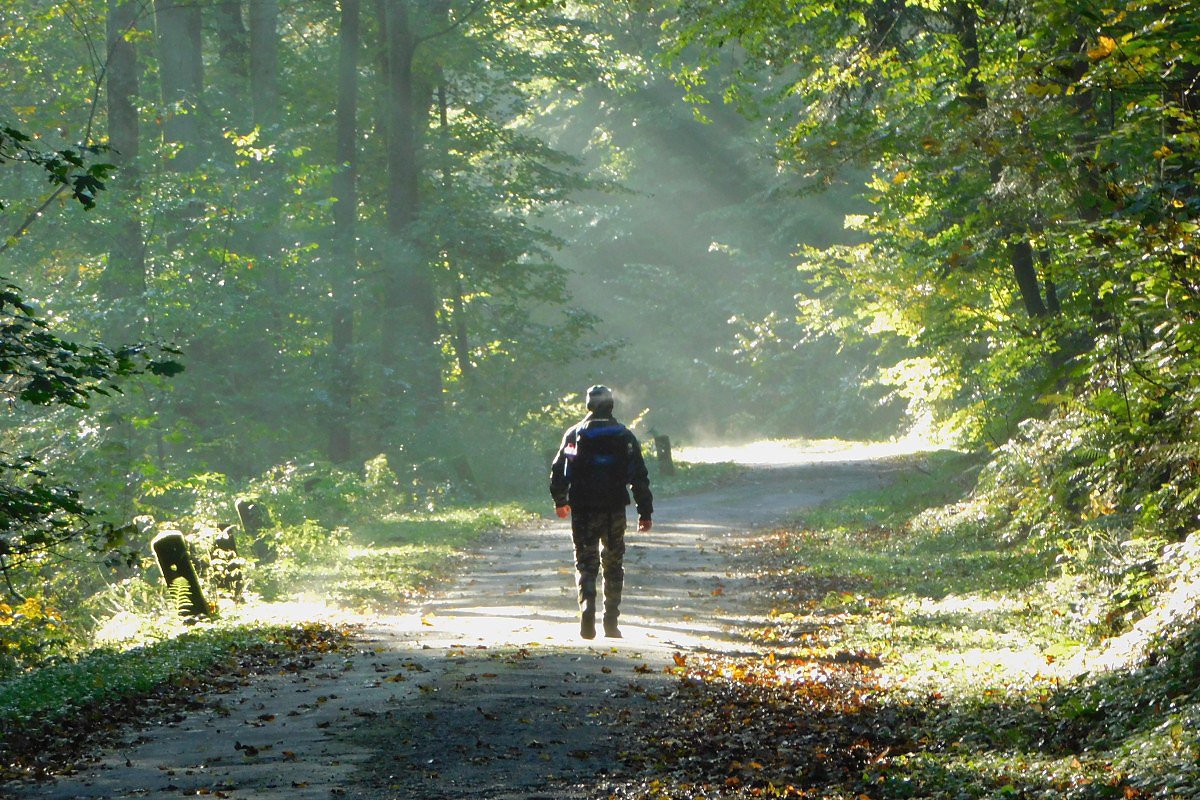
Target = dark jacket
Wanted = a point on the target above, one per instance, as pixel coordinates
(596, 462)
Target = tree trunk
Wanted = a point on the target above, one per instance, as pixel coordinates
(1020, 256)
(233, 47)
(181, 78)
(1020, 250)
(462, 344)
(967, 33)
(125, 274)
(264, 62)
(345, 219)
(409, 321)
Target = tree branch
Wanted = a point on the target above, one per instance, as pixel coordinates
(472, 11)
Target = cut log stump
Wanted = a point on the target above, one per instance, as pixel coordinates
(256, 519)
(662, 452)
(170, 550)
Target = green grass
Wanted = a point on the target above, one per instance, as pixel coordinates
(928, 590)
(60, 704)
(451, 527)
(388, 562)
(691, 477)
(970, 626)
(916, 648)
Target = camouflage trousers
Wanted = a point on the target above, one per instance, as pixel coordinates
(599, 538)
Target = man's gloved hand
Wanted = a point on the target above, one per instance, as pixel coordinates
(563, 511)
(643, 524)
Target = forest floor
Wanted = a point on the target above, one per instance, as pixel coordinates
(486, 690)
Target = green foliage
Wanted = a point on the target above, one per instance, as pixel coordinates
(308, 542)
(1041, 138)
(40, 368)
(883, 539)
(380, 563)
(916, 648)
(688, 477)
(29, 633)
(300, 493)
(1026, 261)
(66, 169)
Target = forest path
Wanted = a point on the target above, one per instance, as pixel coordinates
(488, 691)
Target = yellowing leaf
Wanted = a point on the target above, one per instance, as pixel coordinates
(1103, 49)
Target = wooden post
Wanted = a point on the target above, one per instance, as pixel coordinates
(255, 519)
(662, 452)
(227, 539)
(171, 552)
(462, 471)
(227, 565)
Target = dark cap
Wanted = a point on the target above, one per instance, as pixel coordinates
(599, 398)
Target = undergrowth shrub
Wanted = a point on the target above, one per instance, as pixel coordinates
(1109, 489)
(29, 632)
(295, 492)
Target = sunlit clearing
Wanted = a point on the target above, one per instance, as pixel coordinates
(300, 609)
(968, 604)
(126, 628)
(1005, 665)
(795, 452)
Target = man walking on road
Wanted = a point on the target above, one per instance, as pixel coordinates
(598, 462)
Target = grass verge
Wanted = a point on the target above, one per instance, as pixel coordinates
(382, 564)
(692, 477)
(50, 715)
(907, 650)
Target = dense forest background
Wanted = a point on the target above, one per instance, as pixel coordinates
(419, 229)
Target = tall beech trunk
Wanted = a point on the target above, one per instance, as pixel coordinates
(462, 344)
(345, 225)
(264, 62)
(409, 323)
(1020, 256)
(181, 78)
(125, 273)
(233, 46)
(1019, 248)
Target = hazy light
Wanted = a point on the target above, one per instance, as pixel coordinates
(797, 452)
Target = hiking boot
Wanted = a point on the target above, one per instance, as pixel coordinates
(587, 625)
(610, 629)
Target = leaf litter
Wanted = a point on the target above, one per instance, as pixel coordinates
(40, 748)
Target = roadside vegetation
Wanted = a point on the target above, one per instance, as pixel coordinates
(925, 641)
(49, 716)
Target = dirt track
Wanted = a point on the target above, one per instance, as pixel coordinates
(487, 691)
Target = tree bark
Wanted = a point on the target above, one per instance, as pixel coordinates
(967, 32)
(462, 344)
(345, 225)
(181, 78)
(1019, 248)
(409, 321)
(233, 47)
(1020, 256)
(125, 273)
(264, 62)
